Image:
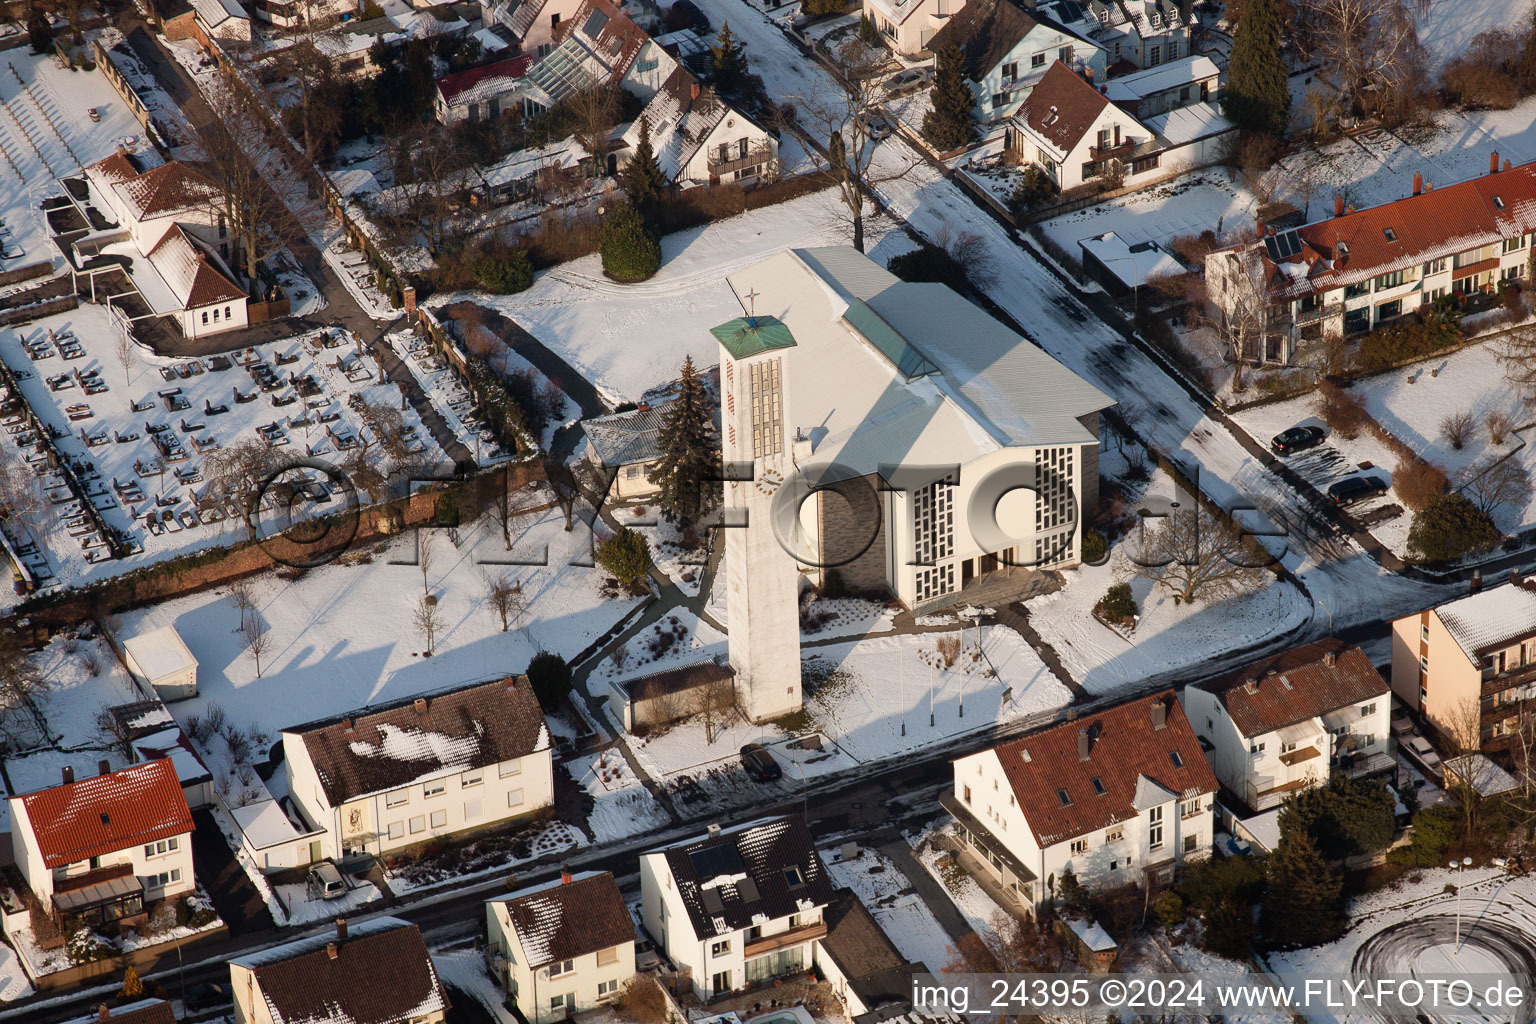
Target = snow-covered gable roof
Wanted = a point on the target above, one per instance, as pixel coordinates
(485, 82)
(1135, 87)
(159, 653)
(897, 11)
(380, 973)
(194, 274)
(170, 743)
(1091, 934)
(562, 920)
(372, 751)
(1491, 619)
(681, 117)
(216, 12)
(170, 188)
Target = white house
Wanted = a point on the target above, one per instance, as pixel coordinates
(100, 850)
(390, 777)
(1135, 33)
(483, 93)
(1075, 134)
(161, 661)
(1181, 83)
(908, 26)
(1008, 51)
(564, 947)
(699, 139)
(1291, 721)
(532, 23)
(373, 972)
(1117, 796)
(737, 907)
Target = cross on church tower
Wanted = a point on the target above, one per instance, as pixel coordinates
(751, 298)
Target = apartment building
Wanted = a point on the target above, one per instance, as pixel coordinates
(737, 907)
(1470, 663)
(390, 777)
(1123, 795)
(1361, 269)
(1290, 721)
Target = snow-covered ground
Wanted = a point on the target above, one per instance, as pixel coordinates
(14, 983)
(622, 807)
(452, 399)
(464, 969)
(901, 913)
(1448, 27)
(342, 636)
(969, 897)
(682, 566)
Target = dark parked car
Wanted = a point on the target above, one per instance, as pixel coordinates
(1356, 488)
(759, 763)
(1296, 439)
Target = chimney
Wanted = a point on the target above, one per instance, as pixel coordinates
(1262, 231)
(1103, 90)
(1082, 744)
(421, 705)
(103, 1012)
(103, 767)
(341, 929)
(1507, 164)
(1159, 714)
(1418, 183)
(1071, 714)
(1475, 584)
(1251, 684)
(693, 91)
(1330, 658)
(1493, 161)
(1514, 577)
(713, 830)
(69, 774)
(565, 874)
(330, 950)
(1338, 206)
(346, 724)
(1349, 209)
(1429, 186)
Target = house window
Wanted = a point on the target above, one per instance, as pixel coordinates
(1145, 164)
(396, 829)
(999, 99)
(1064, 55)
(1098, 785)
(1191, 843)
(1510, 273)
(1391, 235)
(1079, 846)
(396, 797)
(205, 317)
(437, 788)
(226, 313)
(473, 778)
(1154, 56)
(515, 798)
(720, 948)
(1256, 748)
(1190, 808)
(1090, 170)
(967, 794)
(1514, 244)
(1391, 280)
(793, 876)
(1037, 61)
(608, 988)
(1367, 710)
(1173, 49)
(1176, 758)
(473, 809)
(215, 314)
(418, 824)
(1155, 829)
(1114, 835)
(608, 956)
(439, 819)
(1062, 795)
(164, 878)
(1389, 310)
(509, 768)
(1357, 320)
(767, 407)
(1435, 266)
(162, 847)
(1354, 290)
(1010, 71)
(561, 967)
(1424, 632)
(1424, 662)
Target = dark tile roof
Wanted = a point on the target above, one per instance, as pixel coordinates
(985, 31)
(374, 750)
(1062, 107)
(875, 969)
(1125, 747)
(143, 1011)
(566, 920)
(105, 813)
(381, 974)
(761, 851)
(1296, 685)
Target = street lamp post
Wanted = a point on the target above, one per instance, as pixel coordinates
(1459, 866)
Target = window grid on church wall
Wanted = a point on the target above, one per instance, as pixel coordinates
(767, 408)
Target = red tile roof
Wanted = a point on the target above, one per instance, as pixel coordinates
(196, 279)
(1296, 685)
(1062, 107)
(1124, 746)
(169, 188)
(105, 813)
(116, 167)
(452, 86)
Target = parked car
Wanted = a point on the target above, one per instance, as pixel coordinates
(1356, 488)
(759, 763)
(646, 957)
(875, 126)
(325, 882)
(907, 81)
(1418, 750)
(1289, 442)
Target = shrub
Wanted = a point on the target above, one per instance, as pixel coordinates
(1449, 527)
(1434, 830)
(1118, 603)
(1407, 339)
(505, 273)
(1168, 908)
(1499, 425)
(550, 677)
(1342, 410)
(1034, 188)
(84, 946)
(930, 263)
(626, 555)
(630, 249)
(1418, 481)
(1095, 545)
(1456, 428)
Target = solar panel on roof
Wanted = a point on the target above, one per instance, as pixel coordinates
(714, 861)
(595, 22)
(712, 904)
(747, 890)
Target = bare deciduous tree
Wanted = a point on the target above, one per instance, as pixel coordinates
(425, 556)
(563, 485)
(1369, 45)
(256, 634)
(1234, 301)
(22, 498)
(1516, 352)
(595, 110)
(715, 705)
(1466, 772)
(428, 620)
(1194, 554)
(122, 347)
(505, 596)
(1494, 482)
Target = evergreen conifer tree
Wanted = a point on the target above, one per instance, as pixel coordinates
(730, 59)
(1258, 91)
(690, 453)
(642, 178)
(630, 249)
(951, 123)
(1304, 898)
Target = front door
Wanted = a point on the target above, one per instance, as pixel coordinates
(722, 981)
(967, 571)
(314, 850)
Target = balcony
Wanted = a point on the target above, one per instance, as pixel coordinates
(1316, 313)
(719, 167)
(793, 937)
(1299, 756)
(1272, 795)
(1120, 151)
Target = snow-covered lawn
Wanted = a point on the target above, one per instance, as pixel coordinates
(622, 807)
(969, 897)
(682, 566)
(464, 970)
(901, 913)
(1448, 28)
(1187, 205)
(628, 338)
(14, 983)
(342, 636)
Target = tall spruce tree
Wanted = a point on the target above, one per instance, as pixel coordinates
(690, 453)
(1258, 93)
(951, 123)
(1304, 898)
(642, 178)
(730, 58)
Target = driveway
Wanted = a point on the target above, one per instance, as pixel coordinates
(233, 894)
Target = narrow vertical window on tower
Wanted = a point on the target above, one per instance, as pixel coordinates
(767, 409)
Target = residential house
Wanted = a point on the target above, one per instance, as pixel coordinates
(866, 971)
(348, 46)
(385, 778)
(699, 139)
(292, 14)
(1134, 33)
(374, 972)
(627, 445)
(140, 1011)
(561, 948)
(1009, 51)
(1180, 83)
(483, 93)
(101, 850)
(737, 907)
(1117, 796)
(1470, 663)
(599, 45)
(1361, 269)
(1293, 720)
(531, 23)
(908, 26)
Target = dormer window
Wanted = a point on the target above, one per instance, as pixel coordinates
(793, 877)
(1498, 202)
(1391, 235)
(1066, 801)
